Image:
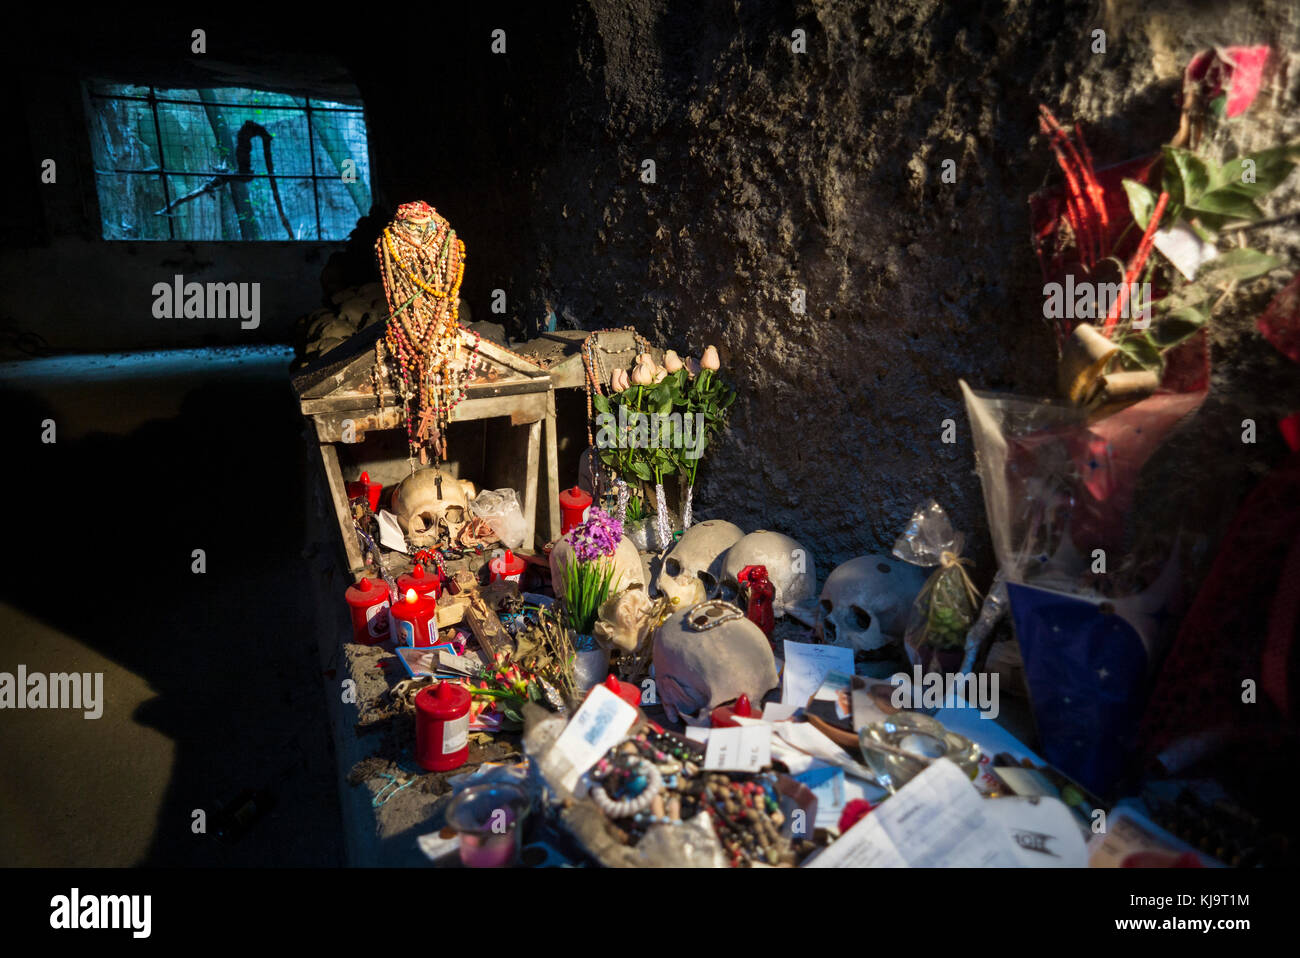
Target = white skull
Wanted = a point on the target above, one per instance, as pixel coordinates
(692, 570)
(427, 514)
(698, 668)
(866, 601)
(790, 567)
(628, 570)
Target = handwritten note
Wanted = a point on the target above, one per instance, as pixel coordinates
(745, 749)
(391, 535)
(806, 667)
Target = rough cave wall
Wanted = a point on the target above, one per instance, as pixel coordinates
(820, 171)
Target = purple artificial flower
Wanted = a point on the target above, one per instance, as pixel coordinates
(598, 537)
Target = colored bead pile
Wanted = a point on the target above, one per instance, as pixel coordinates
(654, 779)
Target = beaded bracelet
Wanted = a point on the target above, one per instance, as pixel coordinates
(629, 807)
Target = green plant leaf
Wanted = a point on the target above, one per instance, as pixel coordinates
(1266, 169)
(642, 471)
(600, 402)
(1177, 325)
(1237, 265)
(1185, 176)
(1140, 352)
(1227, 202)
(1141, 201)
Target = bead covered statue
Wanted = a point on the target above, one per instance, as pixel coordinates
(421, 263)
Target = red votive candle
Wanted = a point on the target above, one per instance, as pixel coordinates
(368, 602)
(628, 692)
(574, 504)
(415, 620)
(364, 487)
(506, 568)
(442, 727)
(724, 715)
(421, 582)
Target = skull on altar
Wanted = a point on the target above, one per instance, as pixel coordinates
(431, 507)
(866, 601)
(692, 570)
(710, 654)
(790, 566)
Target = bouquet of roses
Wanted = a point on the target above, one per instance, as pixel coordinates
(665, 416)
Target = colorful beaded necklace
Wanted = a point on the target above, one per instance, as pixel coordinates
(421, 264)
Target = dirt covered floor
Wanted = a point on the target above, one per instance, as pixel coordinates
(211, 684)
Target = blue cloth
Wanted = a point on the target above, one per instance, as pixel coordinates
(1087, 675)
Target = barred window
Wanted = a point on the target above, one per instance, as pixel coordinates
(226, 164)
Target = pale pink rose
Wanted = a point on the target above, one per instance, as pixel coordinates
(660, 375)
(672, 362)
(710, 358)
(644, 374)
(692, 366)
(618, 380)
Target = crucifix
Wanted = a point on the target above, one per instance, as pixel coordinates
(429, 435)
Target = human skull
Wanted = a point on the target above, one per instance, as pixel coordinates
(629, 571)
(866, 601)
(790, 567)
(428, 511)
(692, 570)
(626, 619)
(710, 654)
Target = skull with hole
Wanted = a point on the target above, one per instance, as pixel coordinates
(866, 601)
(692, 570)
(710, 654)
(429, 511)
(790, 567)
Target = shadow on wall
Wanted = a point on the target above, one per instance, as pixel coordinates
(101, 550)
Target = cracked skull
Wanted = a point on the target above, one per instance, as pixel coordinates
(429, 510)
(865, 602)
(790, 567)
(692, 570)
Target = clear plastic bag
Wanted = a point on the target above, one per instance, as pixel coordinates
(947, 604)
(500, 509)
(1092, 567)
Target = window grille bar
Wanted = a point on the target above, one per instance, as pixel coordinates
(311, 151)
(232, 106)
(162, 162)
(257, 176)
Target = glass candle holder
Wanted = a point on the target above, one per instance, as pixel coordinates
(490, 821)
